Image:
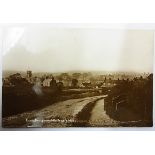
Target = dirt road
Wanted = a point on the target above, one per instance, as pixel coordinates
(99, 118)
(61, 114)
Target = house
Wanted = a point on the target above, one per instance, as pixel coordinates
(50, 82)
(47, 82)
(87, 84)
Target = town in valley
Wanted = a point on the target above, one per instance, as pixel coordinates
(77, 99)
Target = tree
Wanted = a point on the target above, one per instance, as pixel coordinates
(60, 86)
(74, 82)
(65, 76)
(53, 84)
(59, 77)
(17, 80)
(76, 75)
(85, 75)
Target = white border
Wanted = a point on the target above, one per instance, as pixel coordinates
(86, 25)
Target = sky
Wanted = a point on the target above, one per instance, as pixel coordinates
(61, 49)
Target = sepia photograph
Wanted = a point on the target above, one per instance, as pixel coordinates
(58, 76)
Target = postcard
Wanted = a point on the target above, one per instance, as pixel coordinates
(58, 76)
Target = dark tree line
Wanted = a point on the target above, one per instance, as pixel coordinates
(131, 100)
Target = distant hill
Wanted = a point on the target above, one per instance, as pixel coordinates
(7, 73)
